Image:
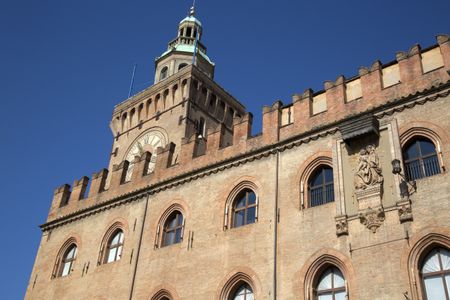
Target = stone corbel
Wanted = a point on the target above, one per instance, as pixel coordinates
(372, 218)
(341, 225)
(404, 211)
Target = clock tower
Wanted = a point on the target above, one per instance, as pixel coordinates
(184, 103)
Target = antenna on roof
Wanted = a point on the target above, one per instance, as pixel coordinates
(132, 81)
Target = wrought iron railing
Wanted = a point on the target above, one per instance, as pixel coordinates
(321, 194)
(422, 167)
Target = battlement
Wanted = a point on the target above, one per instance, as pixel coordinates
(416, 72)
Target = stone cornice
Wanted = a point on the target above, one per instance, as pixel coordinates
(389, 108)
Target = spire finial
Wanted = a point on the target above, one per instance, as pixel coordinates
(192, 10)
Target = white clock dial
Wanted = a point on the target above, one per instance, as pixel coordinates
(149, 141)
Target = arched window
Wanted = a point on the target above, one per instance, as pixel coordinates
(164, 73)
(173, 229)
(331, 285)
(162, 295)
(244, 208)
(114, 247)
(435, 274)
(67, 261)
(242, 292)
(421, 159)
(181, 66)
(320, 186)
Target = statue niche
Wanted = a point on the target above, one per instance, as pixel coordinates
(368, 188)
(368, 173)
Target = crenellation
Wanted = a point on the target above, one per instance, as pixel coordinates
(221, 143)
(118, 174)
(60, 199)
(242, 129)
(443, 41)
(79, 189)
(98, 182)
(271, 122)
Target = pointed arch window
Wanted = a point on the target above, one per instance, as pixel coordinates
(244, 208)
(173, 229)
(320, 186)
(435, 273)
(67, 261)
(421, 159)
(242, 292)
(114, 247)
(331, 285)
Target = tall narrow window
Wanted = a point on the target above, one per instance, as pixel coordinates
(68, 260)
(331, 285)
(173, 229)
(164, 73)
(243, 292)
(421, 159)
(244, 208)
(114, 248)
(436, 274)
(320, 186)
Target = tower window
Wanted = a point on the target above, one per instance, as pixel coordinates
(189, 31)
(421, 159)
(201, 127)
(164, 73)
(181, 66)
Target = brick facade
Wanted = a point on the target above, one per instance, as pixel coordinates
(282, 254)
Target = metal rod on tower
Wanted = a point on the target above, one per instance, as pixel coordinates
(132, 81)
(194, 56)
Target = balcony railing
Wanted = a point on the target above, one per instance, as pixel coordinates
(321, 195)
(422, 167)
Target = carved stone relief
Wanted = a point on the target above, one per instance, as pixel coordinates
(341, 225)
(372, 218)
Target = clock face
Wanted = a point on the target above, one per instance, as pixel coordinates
(149, 141)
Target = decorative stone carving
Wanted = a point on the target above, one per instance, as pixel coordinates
(372, 219)
(405, 211)
(341, 225)
(368, 173)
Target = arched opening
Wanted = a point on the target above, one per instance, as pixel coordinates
(173, 229)
(164, 73)
(420, 158)
(435, 274)
(244, 208)
(320, 186)
(114, 247)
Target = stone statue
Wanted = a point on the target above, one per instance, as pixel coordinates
(368, 172)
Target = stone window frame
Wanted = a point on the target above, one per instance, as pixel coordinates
(314, 267)
(422, 132)
(63, 251)
(104, 245)
(162, 295)
(234, 283)
(310, 169)
(159, 236)
(231, 200)
(422, 246)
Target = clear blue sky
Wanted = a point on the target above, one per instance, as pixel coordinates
(65, 64)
